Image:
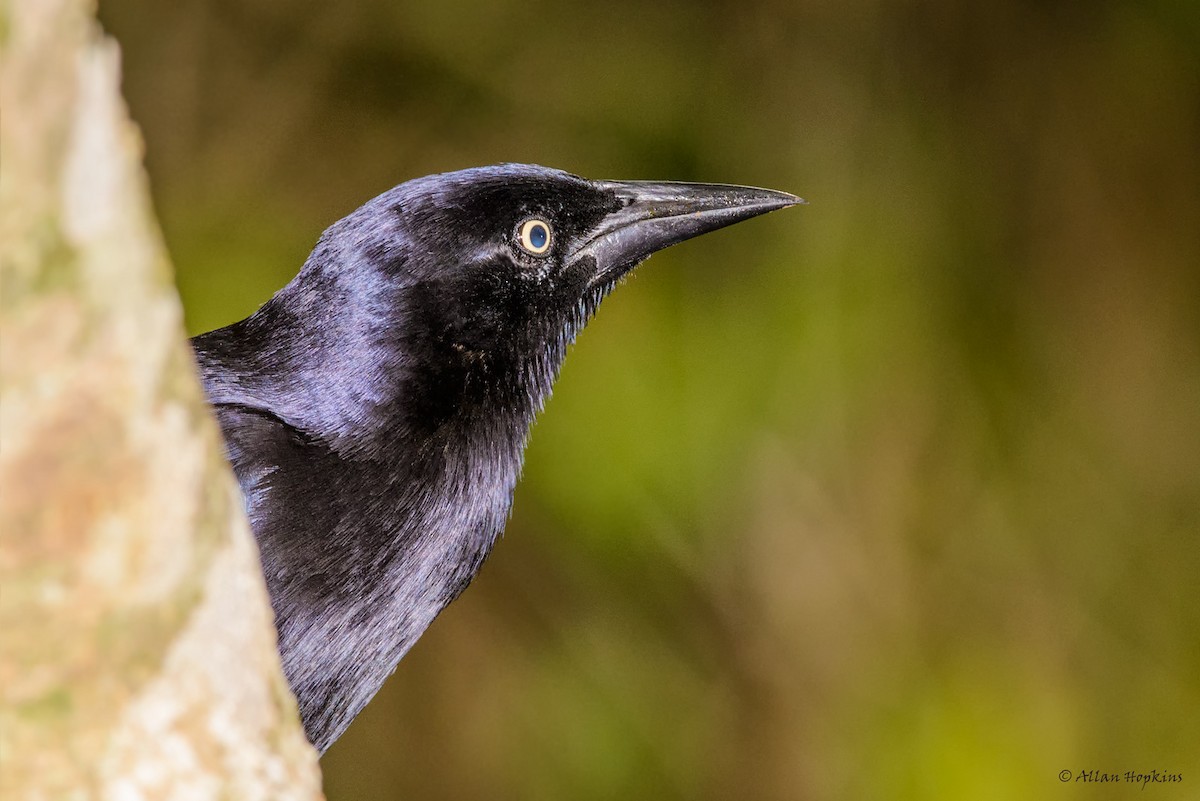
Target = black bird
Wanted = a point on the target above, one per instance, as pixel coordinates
(376, 409)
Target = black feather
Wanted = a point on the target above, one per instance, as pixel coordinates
(376, 409)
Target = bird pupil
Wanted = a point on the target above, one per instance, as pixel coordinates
(537, 236)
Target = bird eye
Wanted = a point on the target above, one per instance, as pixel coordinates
(534, 236)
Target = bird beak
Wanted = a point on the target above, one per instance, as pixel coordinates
(658, 214)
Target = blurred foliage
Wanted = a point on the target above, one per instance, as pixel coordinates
(896, 495)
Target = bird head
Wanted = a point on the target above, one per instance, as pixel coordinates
(455, 295)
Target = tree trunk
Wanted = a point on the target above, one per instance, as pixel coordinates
(138, 656)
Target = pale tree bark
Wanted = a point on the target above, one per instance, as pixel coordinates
(138, 657)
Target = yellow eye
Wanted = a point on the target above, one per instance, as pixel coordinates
(534, 236)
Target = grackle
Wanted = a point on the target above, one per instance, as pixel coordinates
(375, 410)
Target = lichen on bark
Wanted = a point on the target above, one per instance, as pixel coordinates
(138, 657)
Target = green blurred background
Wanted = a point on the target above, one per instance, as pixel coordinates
(892, 496)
